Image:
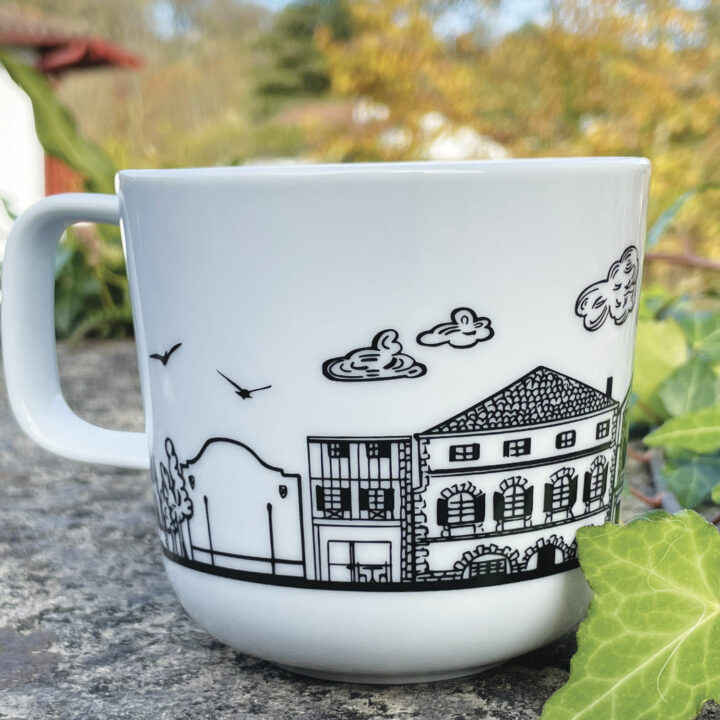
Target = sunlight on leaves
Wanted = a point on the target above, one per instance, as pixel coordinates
(691, 477)
(689, 387)
(660, 348)
(649, 646)
(702, 331)
(664, 220)
(697, 431)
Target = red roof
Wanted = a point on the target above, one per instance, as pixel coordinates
(61, 44)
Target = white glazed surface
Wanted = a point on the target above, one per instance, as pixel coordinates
(268, 274)
(383, 637)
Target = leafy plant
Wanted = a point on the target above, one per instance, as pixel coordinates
(91, 290)
(676, 388)
(649, 645)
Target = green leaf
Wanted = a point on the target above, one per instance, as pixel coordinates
(689, 387)
(666, 217)
(8, 208)
(715, 494)
(697, 431)
(659, 349)
(702, 330)
(56, 129)
(692, 478)
(654, 301)
(650, 645)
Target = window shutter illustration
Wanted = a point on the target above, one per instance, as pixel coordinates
(442, 511)
(586, 487)
(384, 449)
(498, 506)
(389, 500)
(345, 501)
(603, 484)
(573, 491)
(529, 501)
(479, 507)
(319, 497)
(364, 499)
(548, 502)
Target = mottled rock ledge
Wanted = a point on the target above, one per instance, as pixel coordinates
(89, 627)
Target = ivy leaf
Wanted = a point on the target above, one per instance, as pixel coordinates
(715, 494)
(689, 387)
(691, 478)
(702, 331)
(654, 300)
(660, 348)
(650, 645)
(697, 431)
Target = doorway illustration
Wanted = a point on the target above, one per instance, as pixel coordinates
(360, 561)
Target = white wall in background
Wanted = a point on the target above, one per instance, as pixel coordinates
(22, 177)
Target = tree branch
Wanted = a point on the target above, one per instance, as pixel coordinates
(688, 259)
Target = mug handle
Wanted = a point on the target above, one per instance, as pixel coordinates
(28, 335)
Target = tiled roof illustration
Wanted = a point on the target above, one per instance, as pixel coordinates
(540, 397)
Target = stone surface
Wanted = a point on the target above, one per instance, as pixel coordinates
(89, 627)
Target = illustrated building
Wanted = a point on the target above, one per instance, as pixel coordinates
(360, 508)
(247, 515)
(504, 485)
(494, 494)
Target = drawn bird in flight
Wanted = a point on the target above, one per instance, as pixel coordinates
(242, 392)
(166, 355)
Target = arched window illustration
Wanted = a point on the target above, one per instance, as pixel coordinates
(489, 561)
(547, 554)
(513, 504)
(461, 510)
(560, 494)
(595, 484)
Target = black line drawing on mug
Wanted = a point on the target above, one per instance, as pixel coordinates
(166, 355)
(465, 330)
(242, 392)
(383, 360)
(493, 494)
(613, 297)
(174, 506)
(252, 516)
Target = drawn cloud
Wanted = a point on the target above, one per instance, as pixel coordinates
(383, 360)
(465, 330)
(615, 296)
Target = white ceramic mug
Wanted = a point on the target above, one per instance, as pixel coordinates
(379, 399)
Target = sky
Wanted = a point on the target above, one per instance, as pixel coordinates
(511, 15)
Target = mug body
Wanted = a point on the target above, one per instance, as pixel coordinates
(381, 399)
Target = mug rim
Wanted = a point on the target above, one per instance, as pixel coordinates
(421, 167)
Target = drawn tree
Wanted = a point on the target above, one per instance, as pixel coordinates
(175, 505)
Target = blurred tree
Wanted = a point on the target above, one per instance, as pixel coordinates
(609, 77)
(295, 65)
(191, 104)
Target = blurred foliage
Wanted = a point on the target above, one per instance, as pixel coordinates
(296, 66)
(226, 82)
(91, 289)
(601, 78)
(676, 386)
